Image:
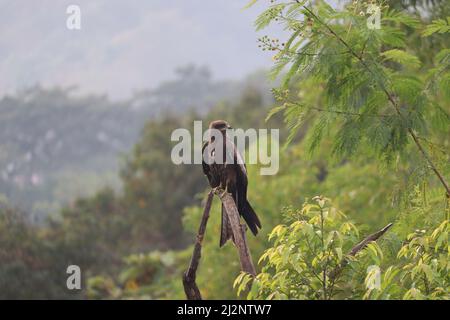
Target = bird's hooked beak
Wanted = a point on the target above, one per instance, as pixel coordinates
(229, 127)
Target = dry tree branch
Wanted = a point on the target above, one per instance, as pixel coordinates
(238, 232)
(373, 237)
(360, 246)
(190, 287)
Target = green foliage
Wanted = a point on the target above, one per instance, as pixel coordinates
(306, 258)
(401, 57)
(361, 91)
(144, 276)
(437, 26)
(418, 267)
(159, 204)
(427, 270)
(31, 266)
(372, 95)
(309, 259)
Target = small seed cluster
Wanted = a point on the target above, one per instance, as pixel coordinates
(270, 44)
(299, 25)
(280, 94)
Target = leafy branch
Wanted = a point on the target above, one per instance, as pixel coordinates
(389, 96)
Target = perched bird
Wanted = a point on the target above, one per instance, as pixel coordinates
(231, 176)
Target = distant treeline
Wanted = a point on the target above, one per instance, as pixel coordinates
(56, 144)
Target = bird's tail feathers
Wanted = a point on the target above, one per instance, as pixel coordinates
(250, 217)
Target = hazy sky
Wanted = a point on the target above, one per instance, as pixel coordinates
(124, 45)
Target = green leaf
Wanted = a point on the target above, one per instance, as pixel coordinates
(401, 17)
(407, 88)
(393, 37)
(278, 231)
(292, 71)
(437, 26)
(250, 4)
(274, 111)
(253, 294)
(265, 18)
(339, 253)
(443, 56)
(402, 57)
(238, 279)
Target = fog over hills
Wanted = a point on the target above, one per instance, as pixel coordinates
(124, 46)
(72, 103)
(57, 144)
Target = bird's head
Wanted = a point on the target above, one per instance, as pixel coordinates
(220, 125)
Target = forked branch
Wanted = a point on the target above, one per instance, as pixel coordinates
(190, 286)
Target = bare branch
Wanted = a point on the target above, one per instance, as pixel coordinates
(373, 237)
(190, 287)
(360, 246)
(238, 232)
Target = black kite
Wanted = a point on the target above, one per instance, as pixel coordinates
(231, 176)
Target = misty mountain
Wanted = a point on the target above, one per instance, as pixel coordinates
(56, 145)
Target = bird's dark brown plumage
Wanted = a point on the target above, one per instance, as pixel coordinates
(230, 176)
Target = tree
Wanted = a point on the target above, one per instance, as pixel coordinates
(374, 95)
